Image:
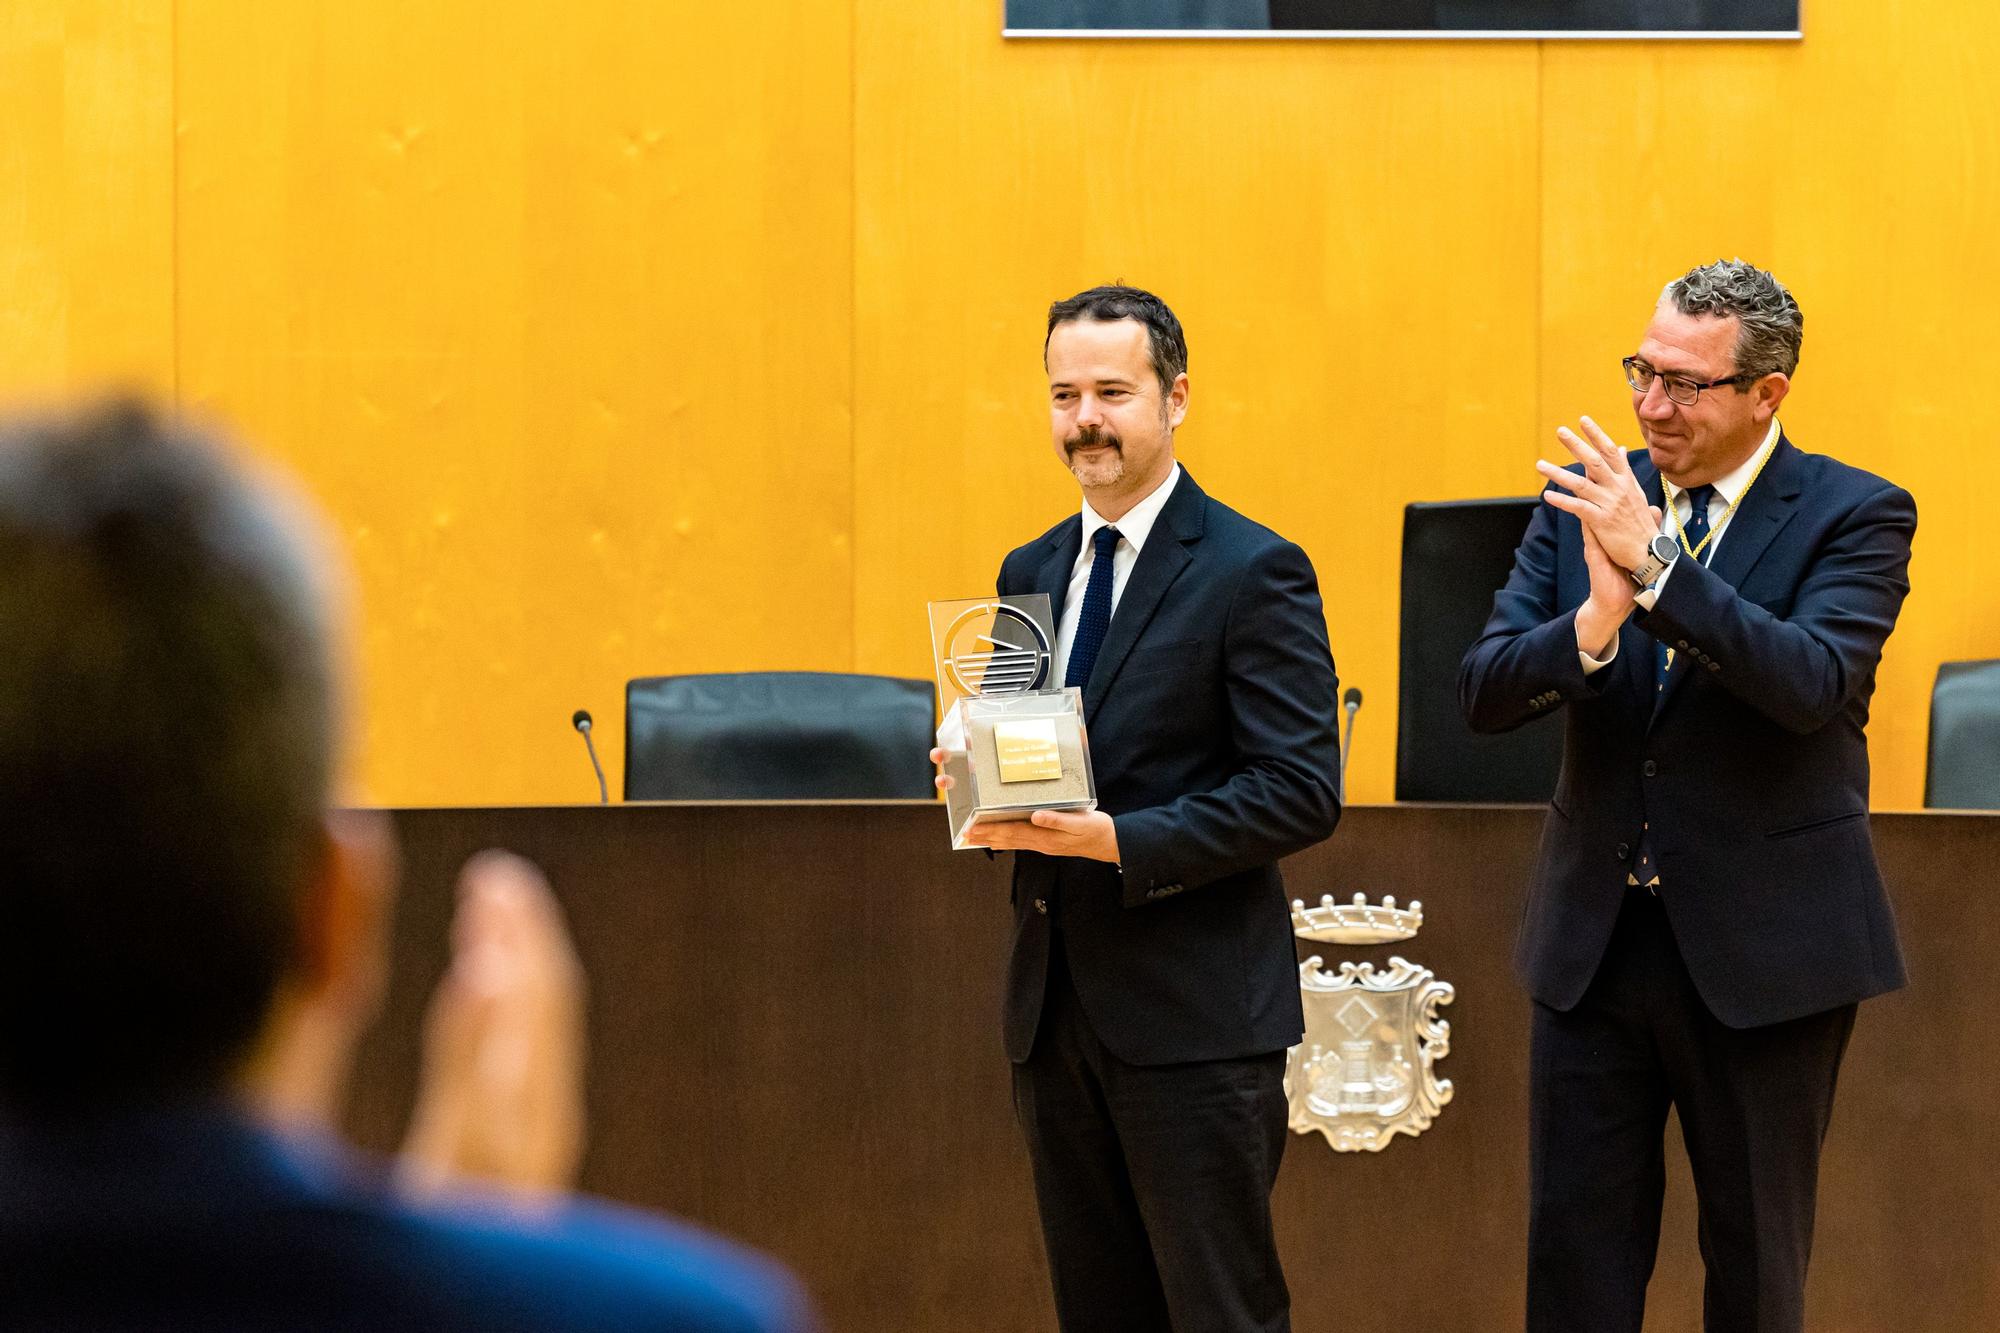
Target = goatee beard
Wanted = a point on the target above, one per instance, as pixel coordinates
(1106, 472)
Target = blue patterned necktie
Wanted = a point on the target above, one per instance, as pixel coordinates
(1693, 533)
(1096, 616)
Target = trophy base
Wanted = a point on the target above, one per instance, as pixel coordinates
(1022, 753)
(958, 839)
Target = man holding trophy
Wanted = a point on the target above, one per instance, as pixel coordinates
(1153, 987)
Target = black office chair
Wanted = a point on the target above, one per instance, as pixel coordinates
(778, 735)
(1964, 768)
(1456, 555)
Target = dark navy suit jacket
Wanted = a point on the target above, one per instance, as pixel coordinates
(193, 1219)
(1751, 767)
(1211, 719)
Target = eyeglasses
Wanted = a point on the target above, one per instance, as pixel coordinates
(1679, 388)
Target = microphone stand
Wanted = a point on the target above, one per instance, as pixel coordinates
(581, 721)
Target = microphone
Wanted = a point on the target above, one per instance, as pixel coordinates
(1350, 703)
(581, 721)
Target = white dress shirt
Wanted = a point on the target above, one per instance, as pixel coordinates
(1722, 502)
(1133, 529)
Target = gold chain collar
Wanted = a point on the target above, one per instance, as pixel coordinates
(1674, 509)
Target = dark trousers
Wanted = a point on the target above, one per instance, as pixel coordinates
(1753, 1104)
(1154, 1182)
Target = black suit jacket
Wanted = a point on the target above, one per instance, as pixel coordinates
(1751, 766)
(1211, 717)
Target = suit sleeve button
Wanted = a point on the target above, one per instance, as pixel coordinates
(1650, 769)
(1042, 906)
(1624, 851)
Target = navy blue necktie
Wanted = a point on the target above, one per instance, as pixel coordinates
(1695, 531)
(1096, 615)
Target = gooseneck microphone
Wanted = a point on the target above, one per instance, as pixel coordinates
(1350, 704)
(581, 721)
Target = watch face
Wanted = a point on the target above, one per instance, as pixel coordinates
(1663, 548)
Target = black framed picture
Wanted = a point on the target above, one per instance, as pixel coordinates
(1404, 18)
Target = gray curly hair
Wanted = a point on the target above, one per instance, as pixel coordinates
(1772, 326)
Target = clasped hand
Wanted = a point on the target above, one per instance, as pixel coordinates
(1086, 833)
(1618, 524)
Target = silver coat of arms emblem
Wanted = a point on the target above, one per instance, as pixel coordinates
(1365, 1071)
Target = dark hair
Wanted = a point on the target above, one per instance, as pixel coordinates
(165, 744)
(1772, 328)
(1166, 347)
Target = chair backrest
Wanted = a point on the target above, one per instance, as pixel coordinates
(1456, 555)
(1964, 768)
(778, 735)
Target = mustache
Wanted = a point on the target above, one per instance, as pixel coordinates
(1091, 437)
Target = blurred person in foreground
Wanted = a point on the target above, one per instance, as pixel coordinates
(191, 943)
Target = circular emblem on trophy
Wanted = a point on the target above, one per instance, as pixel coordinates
(993, 649)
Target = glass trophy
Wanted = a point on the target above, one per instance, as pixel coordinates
(1012, 739)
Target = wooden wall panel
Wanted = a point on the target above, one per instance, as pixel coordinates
(86, 196)
(1346, 231)
(551, 309)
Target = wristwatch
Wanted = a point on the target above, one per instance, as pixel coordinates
(1660, 553)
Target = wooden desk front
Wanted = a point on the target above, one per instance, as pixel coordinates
(795, 1040)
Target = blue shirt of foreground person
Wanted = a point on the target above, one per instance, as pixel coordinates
(190, 944)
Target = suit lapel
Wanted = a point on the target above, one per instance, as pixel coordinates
(1770, 504)
(1649, 480)
(1765, 509)
(1161, 561)
(1058, 562)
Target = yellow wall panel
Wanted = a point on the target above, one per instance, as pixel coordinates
(552, 310)
(1341, 228)
(86, 196)
(635, 339)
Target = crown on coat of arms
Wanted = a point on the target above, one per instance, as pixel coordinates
(1356, 922)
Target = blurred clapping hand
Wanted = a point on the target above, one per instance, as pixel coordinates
(500, 1092)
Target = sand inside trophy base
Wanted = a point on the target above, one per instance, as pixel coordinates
(992, 796)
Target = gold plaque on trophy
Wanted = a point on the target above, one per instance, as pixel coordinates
(1028, 750)
(1013, 743)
